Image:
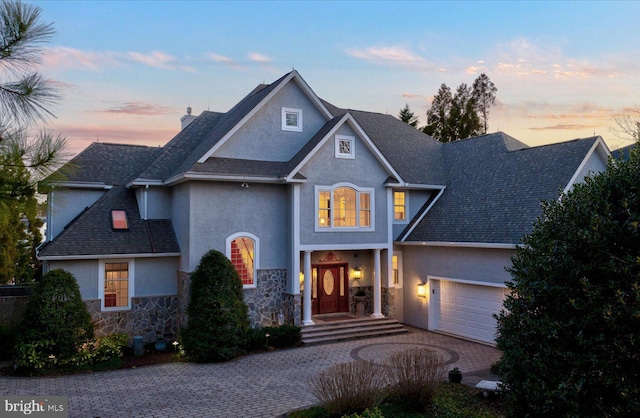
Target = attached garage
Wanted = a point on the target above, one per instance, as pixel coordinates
(465, 309)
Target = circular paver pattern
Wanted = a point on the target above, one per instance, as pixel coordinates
(379, 352)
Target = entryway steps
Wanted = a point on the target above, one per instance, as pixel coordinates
(331, 331)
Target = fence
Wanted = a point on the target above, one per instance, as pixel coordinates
(13, 301)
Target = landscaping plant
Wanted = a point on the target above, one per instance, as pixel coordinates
(569, 329)
(56, 323)
(347, 388)
(218, 316)
(414, 375)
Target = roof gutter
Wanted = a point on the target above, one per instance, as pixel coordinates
(104, 256)
(492, 245)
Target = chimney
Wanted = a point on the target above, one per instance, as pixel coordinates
(187, 119)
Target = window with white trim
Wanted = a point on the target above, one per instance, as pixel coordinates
(344, 207)
(242, 250)
(396, 269)
(115, 287)
(291, 119)
(345, 146)
(399, 206)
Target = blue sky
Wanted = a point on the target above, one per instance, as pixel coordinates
(129, 69)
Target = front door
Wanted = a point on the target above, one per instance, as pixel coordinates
(332, 289)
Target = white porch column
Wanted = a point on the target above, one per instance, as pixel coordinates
(377, 298)
(306, 297)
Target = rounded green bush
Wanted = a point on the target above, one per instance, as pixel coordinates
(55, 318)
(569, 330)
(218, 316)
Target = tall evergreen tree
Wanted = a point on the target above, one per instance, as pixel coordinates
(463, 118)
(438, 115)
(484, 94)
(25, 99)
(407, 116)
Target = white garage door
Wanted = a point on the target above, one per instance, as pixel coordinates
(465, 309)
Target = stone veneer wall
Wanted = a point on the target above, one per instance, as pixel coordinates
(267, 300)
(151, 317)
(184, 282)
(388, 302)
(292, 309)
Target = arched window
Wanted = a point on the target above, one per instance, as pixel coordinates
(344, 207)
(242, 250)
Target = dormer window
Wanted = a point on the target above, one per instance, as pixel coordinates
(291, 119)
(119, 220)
(344, 146)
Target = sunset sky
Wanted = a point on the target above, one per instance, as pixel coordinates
(128, 69)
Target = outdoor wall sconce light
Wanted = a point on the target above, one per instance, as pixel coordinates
(356, 274)
(422, 290)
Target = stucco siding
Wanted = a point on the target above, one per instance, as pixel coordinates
(65, 205)
(85, 272)
(180, 201)
(158, 202)
(595, 164)
(262, 137)
(364, 171)
(156, 276)
(223, 209)
(473, 264)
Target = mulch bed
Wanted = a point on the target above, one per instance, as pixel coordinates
(149, 358)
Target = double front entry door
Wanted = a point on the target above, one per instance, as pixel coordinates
(331, 288)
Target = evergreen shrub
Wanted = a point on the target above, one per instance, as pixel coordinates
(218, 317)
(56, 323)
(569, 329)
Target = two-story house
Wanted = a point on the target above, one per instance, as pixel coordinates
(310, 202)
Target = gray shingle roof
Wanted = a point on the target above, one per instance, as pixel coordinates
(494, 188)
(91, 233)
(118, 163)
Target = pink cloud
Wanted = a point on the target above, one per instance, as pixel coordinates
(260, 58)
(392, 55)
(138, 108)
(61, 57)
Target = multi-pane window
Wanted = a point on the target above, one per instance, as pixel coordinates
(243, 259)
(291, 119)
(399, 206)
(344, 207)
(116, 285)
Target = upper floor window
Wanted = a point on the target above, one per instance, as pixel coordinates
(119, 219)
(242, 250)
(344, 208)
(116, 284)
(291, 119)
(344, 146)
(399, 206)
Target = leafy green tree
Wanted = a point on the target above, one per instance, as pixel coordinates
(25, 98)
(407, 116)
(464, 121)
(218, 316)
(569, 329)
(56, 321)
(484, 94)
(438, 115)
(461, 115)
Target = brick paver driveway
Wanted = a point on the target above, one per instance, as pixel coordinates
(261, 385)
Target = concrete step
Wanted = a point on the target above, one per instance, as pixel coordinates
(350, 329)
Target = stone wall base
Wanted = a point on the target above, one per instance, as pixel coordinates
(388, 302)
(151, 317)
(268, 304)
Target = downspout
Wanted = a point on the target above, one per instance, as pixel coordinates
(145, 201)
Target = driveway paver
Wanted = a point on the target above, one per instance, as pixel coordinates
(259, 385)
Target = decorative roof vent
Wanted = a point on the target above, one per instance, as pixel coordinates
(187, 119)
